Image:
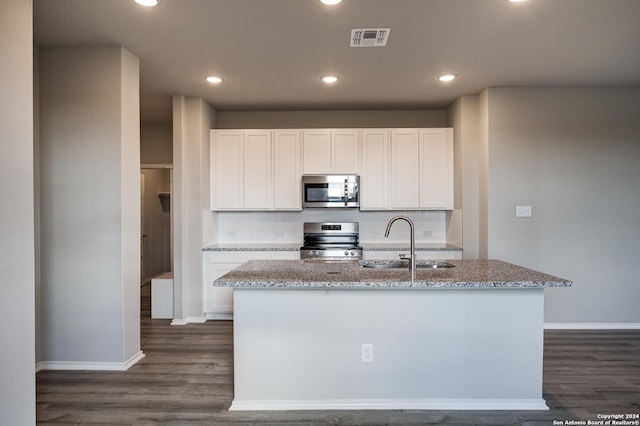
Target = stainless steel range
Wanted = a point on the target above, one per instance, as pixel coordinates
(331, 241)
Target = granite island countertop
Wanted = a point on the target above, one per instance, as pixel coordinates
(313, 274)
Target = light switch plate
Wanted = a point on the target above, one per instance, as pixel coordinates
(523, 211)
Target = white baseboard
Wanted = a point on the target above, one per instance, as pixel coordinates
(188, 320)
(93, 366)
(218, 316)
(390, 404)
(592, 326)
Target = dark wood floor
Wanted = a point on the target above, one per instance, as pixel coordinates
(186, 378)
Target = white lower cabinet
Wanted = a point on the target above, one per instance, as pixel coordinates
(420, 254)
(218, 301)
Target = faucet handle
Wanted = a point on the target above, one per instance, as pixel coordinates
(404, 256)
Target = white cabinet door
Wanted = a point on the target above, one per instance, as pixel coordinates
(258, 178)
(242, 170)
(218, 301)
(344, 151)
(405, 169)
(227, 169)
(436, 169)
(330, 151)
(287, 169)
(374, 170)
(316, 148)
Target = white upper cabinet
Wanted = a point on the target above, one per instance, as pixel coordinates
(287, 169)
(255, 170)
(407, 169)
(330, 151)
(400, 169)
(316, 146)
(227, 169)
(374, 171)
(405, 172)
(258, 176)
(436, 169)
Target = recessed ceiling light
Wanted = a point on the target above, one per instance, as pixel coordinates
(330, 79)
(447, 77)
(214, 79)
(517, 1)
(330, 2)
(148, 3)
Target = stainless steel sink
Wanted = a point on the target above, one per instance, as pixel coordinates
(435, 265)
(384, 264)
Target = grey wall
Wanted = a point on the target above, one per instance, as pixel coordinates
(156, 144)
(17, 249)
(90, 204)
(573, 154)
(324, 119)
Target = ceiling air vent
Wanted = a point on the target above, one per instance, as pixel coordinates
(370, 37)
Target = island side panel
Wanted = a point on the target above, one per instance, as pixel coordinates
(456, 349)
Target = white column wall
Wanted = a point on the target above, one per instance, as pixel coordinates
(90, 206)
(192, 119)
(17, 248)
(130, 200)
(464, 224)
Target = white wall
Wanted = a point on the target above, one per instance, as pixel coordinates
(286, 227)
(192, 119)
(90, 204)
(17, 251)
(573, 154)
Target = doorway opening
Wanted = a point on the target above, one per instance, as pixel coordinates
(156, 221)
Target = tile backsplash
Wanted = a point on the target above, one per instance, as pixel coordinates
(286, 227)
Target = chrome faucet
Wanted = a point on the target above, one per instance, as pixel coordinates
(412, 256)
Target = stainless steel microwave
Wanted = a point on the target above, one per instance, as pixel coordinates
(340, 191)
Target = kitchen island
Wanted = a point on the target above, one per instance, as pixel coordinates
(322, 335)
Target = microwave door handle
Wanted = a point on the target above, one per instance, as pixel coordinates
(346, 192)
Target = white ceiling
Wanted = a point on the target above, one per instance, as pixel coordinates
(272, 53)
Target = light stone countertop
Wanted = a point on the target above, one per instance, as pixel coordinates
(296, 274)
(296, 247)
(253, 247)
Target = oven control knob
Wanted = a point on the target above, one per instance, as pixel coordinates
(346, 253)
(353, 254)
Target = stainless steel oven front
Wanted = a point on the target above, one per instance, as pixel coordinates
(331, 241)
(338, 191)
